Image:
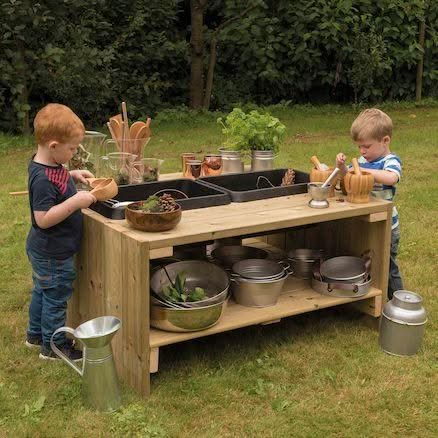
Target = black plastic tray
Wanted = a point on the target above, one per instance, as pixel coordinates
(199, 196)
(242, 187)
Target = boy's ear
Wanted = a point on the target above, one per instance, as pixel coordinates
(386, 139)
(53, 144)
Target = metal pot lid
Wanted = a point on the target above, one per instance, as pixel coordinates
(405, 308)
(343, 268)
(258, 269)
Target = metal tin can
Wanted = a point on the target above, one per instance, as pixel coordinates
(402, 324)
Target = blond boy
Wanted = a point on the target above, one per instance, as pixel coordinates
(372, 132)
(55, 234)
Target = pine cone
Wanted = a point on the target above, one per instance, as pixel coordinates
(288, 178)
(167, 203)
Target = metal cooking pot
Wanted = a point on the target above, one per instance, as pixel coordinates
(342, 289)
(402, 324)
(303, 260)
(345, 269)
(257, 293)
(227, 255)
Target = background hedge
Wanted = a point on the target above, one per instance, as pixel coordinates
(91, 54)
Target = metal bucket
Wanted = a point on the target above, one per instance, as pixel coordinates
(231, 161)
(303, 260)
(402, 324)
(262, 160)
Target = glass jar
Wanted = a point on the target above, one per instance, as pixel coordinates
(193, 169)
(148, 170)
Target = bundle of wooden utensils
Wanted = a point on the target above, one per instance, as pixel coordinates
(132, 138)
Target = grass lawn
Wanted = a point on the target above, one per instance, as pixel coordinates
(315, 375)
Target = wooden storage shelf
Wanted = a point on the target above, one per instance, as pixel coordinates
(113, 267)
(297, 297)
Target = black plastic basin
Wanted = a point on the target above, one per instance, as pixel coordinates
(199, 196)
(252, 186)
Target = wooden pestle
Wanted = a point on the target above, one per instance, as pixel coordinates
(356, 167)
(316, 162)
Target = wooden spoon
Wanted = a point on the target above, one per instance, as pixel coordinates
(356, 167)
(135, 127)
(142, 138)
(115, 129)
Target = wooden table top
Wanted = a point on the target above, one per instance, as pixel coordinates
(244, 218)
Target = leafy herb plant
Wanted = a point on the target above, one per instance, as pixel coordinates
(180, 293)
(252, 131)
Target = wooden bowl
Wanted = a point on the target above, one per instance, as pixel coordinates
(93, 182)
(358, 187)
(105, 189)
(317, 175)
(152, 222)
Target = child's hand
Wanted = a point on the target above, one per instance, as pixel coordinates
(340, 160)
(83, 199)
(80, 175)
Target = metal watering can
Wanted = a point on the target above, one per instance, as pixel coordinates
(99, 378)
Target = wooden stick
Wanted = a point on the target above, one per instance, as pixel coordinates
(22, 193)
(113, 134)
(356, 167)
(126, 124)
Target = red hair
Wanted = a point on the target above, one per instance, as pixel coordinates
(56, 122)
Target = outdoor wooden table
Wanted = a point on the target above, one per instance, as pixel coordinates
(113, 267)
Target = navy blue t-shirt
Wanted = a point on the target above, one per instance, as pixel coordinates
(49, 186)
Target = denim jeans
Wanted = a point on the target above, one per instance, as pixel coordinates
(52, 288)
(394, 281)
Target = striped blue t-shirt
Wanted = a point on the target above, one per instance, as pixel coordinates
(392, 163)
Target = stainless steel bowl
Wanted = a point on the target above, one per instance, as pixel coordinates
(303, 260)
(186, 320)
(345, 269)
(212, 278)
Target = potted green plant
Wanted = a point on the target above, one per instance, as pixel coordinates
(257, 132)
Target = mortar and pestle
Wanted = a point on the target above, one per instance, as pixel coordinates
(320, 172)
(321, 191)
(358, 184)
(103, 188)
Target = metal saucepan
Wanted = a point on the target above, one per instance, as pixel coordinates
(227, 255)
(345, 268)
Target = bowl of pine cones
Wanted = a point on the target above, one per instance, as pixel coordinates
(157, 213)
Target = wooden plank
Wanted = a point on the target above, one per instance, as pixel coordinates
(297, 298)
(375, 217)
(371, 306)
(160, 253)
(154, 358)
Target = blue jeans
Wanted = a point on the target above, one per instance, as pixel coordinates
(394, 281)
(52, 288)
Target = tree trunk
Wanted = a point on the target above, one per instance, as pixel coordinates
(197, 8)
(210, 74)
(419, 82)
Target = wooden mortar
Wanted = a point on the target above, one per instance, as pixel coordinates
(358, 184)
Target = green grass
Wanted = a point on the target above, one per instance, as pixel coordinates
(315, 375)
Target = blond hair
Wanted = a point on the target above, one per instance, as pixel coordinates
(56, 122)
(372, 123)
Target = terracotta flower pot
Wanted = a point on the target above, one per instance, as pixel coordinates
(152, 222)
(358, 187)
(317, 175)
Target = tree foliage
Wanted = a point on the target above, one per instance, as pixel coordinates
(93, 54)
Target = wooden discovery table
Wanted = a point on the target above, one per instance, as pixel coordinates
(113, 267)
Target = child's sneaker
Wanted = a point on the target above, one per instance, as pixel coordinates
(34, 342)
(68, 349)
